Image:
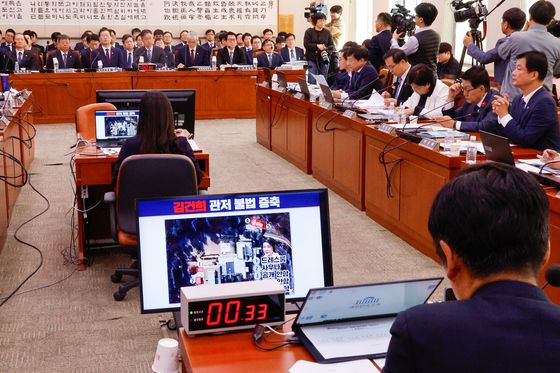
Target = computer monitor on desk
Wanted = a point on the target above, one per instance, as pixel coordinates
(212, 239)
(182, 102)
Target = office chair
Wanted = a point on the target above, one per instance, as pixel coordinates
(85, 119)
(144, 176)
(384, 77)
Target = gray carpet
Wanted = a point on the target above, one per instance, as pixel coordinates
(75, 326)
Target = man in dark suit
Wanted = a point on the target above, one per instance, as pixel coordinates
(183, 40)
(3, 60)
(447, 66)
(380, 43)
(269, 58)
(114, 42)
(8, 44)
(192, 54)
(397, 64)
(342, 79)
(364, 76)
(532, 120)
(54, 39)
(256, 49)
(290, 52)
(476, 113)
(67, 58)
(491, 231)
(231, 54)
(26, 59)
(149, 52)
(128, 50)
(109, 55)
(211, 39)
(91, 54)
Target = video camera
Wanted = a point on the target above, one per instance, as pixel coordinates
(474, 10)
(402, 20)
(314, 9)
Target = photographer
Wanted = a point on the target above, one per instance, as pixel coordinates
(318, 43)
(380, 43)
(423, 46)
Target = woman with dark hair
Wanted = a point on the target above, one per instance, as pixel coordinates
(430, 94)
(269, 248)
(319, 44)
(156, 133)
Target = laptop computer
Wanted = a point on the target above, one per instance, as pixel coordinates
(114, 127)
(303, 87)
(327, 94)
(353, 322)
(267, 76)
(282, 80)
(496, 148)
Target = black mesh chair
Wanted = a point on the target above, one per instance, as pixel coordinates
(144, 176)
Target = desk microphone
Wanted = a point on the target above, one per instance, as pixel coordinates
(92, 61)
(434, 109)
(552, 276)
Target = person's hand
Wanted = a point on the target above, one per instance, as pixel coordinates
(454, 90)
(389, 100)
(445, 121)
(409, 111)
(386, 94)
(500, 106)
(552, 156)
(468, 40)
(180, 66)
(321, 47)
(397, 35)
(337, 93)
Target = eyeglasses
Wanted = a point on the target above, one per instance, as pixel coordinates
(467, 89)
(390, 67)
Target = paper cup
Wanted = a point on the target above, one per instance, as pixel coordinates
(167, 356)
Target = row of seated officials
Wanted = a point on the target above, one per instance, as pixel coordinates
(100, 49)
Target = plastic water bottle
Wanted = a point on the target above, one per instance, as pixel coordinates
(55, 64)
(141, 59)
(471, 151)
(401, 115)
(391, 111)
(255, 63)
(214, 63)
(99, 64)
(16, 67)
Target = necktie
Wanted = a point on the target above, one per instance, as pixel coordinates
(192, 56)
(107, 55)
(398, 90)
(19, 58)
(231, 58)
(129, 60)
(354, 80)
(270, 60)
(149, 55)
(64, 60)
(292, 55)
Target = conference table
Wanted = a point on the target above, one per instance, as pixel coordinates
(219, 94)
(344, 153)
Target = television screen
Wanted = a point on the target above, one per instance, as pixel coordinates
(116, 124)
(182, 102)
(213, 239)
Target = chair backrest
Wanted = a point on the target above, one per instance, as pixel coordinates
(383, 77)
(150, 176)
(85, 118)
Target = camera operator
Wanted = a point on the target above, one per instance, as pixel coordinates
(513, 20)
(380, 43)
(423, 46)
(318, 43)
(336, 27)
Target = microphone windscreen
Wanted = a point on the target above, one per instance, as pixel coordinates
(552, 275)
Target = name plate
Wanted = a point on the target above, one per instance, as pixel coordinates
(349, 114)
(326, 105)
(279, 89)
(429, 144)
(387, 128)
(299, 96)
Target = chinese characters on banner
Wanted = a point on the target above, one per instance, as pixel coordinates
(141, 13)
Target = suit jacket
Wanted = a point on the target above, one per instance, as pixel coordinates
(285, 53)
(7, 47)
(158, 55)
(116, 59)
(90, 58)
(207, 46)
(534, 126)
(79, 46)
(341, 81)
(490, 56)
(201, 57)
(239, 57)
(72, 60)
(277, 60)
(507, 326)
(472, 118)
(406, 89)
(125, 59)
(169, 57)
(380, 44)
(29, 60)
(3, 60)
(437, 99)
(363, 83)
(449, 70)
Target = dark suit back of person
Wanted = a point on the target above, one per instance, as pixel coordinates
(299, 54)
(29, 60)
(72, 60)
(474, 118)
(380, 44)
(183, 56)
(263, 60)
(363, 83)
(239, 58)
(534, 126)
(158, 55)
(506, 327)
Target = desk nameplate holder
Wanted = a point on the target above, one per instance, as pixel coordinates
(349, 114)
(299, 96)
(326, 105)
(429, 144)
(387, 128)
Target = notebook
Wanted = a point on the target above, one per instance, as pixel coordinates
(496, 148)
(113, 127)
(353, 322)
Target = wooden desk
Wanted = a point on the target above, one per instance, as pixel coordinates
(291, 75)
(220, 94)
(98, 171)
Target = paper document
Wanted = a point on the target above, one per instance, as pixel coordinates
(194, 145)
(320, 79)
(354, 338)
(356, 366)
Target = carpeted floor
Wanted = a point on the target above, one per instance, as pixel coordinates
(76, 326)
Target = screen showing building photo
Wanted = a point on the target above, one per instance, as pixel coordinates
(223, 249)
(116, 124)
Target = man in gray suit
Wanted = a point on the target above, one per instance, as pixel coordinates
(536, 38)
(151, 53)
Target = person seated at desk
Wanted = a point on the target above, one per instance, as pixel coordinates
(342, 79)
(26, 59)
(364, 76)
(531, 120)
(169, 60)
(128, 50)
(396, 62)
(291, 53)
(447, 66)
(269, 58)
(3, 60)
(90, 55)
(231, 54)
(150, 52)
(156, 133)
(110, 56)
(430, 94)
(476, 113)
(67, 58)
(192, 54)
(256, 49)
(210, 37)
(492, 250)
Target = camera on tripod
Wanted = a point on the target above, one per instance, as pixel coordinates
(313, 9)
(473, 10)
(402, 20)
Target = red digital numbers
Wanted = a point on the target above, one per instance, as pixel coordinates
(250, 313)
(214, 309)
(232, 310)
(232, 307)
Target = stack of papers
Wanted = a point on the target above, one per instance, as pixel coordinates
(356, 366)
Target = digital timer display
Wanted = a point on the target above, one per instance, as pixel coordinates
(235, 311)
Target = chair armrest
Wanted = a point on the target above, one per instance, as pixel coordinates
(110, 198)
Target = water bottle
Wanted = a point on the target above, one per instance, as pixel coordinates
(141, 59)
(391, 111)
(16, 67)
(214, 63)
(401, 114)
(471, 151)
(99, 64)
(255, 63)
(55, 64)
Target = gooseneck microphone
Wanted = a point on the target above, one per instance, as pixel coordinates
(552, 276)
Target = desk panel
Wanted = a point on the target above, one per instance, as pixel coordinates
(263, 116)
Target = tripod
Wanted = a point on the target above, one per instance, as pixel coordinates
(477, 40)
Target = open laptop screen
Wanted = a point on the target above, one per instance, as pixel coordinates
(116, 124)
